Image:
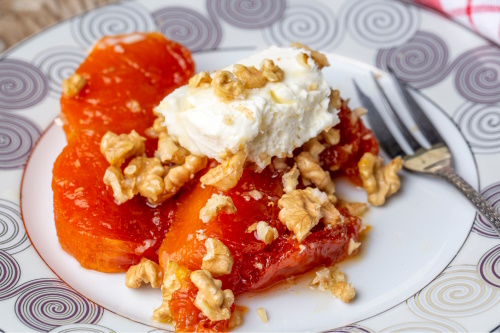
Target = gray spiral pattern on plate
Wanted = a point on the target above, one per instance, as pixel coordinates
(489, 267)
(45, 304)
(188, 27)
(481, 226)
(480, 125)
(21, 85)
(18, 136)
(381, 23)
(10, 272)
(308, 22)
(422, 61)
(113, 19)
(58, 63)
(477, 76)
(354, 328)
(248, 14)
(13, 238)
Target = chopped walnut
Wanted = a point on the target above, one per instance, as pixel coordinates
(271, 71)
(146, 271)
(147, 175)
(319, 58)
(210, 299)
(313, 147)
(123, 189)
(169, 151)
(218, 259)
(251, 76)
(343, 290)
(133, 106)
(200, 79)
(310, 169)
(290, 179)
(179, 175)
(302, 59)
(157, 128)
(332, 136)
(357, 113)
(214, 205)
(227, 86)
(380, 181)
(335, 100)
(261, 312)
(355, 208)
(170, 284)
(301, 210)
(73, 85)
(265, 232)
(225, 176)
(353, 246)
(117, 148)
(237, 317)
(254, 194)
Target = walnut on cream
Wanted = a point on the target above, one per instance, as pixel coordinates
(146, 271)
(215, 204)
(301, 210)
(380, 181)
(117, 148)
(218, 259)
(227, 87)
(257, 78)
(73, 85)
(225, 176)
(169, 151)
(200, 79)
(319, 58)
(211, 300)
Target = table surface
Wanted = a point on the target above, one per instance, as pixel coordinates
(22, 18)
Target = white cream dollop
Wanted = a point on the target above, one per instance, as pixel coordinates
(270, 121)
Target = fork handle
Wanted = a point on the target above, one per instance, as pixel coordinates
(477, 200)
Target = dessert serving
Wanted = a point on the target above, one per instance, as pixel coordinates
(210, 185)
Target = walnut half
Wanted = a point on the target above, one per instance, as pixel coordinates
(214, 302)
(225, 176)
(380, 181)
(146, 271)
(214, 205)
(117, 148)
(218, 259)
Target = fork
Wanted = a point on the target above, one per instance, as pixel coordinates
(436, 160)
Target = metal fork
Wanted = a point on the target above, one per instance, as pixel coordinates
(436, 160)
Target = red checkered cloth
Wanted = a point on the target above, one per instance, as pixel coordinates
(482, 16)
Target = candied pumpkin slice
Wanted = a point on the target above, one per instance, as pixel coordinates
(90, 226)
(126, 76)
(256, 265)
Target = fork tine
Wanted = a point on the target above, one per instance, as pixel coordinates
(397, 119)
(421, 119)
(378, 126)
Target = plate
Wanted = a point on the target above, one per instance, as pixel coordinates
(428, 263)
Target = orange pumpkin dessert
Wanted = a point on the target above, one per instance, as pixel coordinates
(226, 187)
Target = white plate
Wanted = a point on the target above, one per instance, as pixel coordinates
(417, 238)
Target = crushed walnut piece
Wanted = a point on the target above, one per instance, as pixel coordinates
(117, 148)
(335, 100)
(309, 168)
(265, 232)
(218, 259)
(216, 204)
(279, 164)
(210, 299)
(123, 189)
(227, 86)
(331, 136)
(355, 208)
(170, 284)
(157, 128)
(169, 151)
(319, 58)
(237, 318)
(73, 85)
(146, 271)
(329, 278)
(271, 71)
(313, 147)
(225, 176)
(179, 175)
(380, 181)
(301, 210)
(251, 76)
(353, 246)
(147, 175)
(290, 179)
(261, 312)
(200, 79)
(302, 59)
